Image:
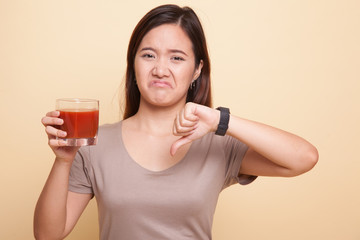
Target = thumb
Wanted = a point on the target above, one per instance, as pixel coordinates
(177, 144)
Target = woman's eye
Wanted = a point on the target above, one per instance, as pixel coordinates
(178, 58)
(148, 55)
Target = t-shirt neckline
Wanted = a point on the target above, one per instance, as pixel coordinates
(146, 170)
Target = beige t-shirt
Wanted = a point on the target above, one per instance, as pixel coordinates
(176, 203)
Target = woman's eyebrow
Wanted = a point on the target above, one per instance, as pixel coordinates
(177, 51)
(147, 48)
(171, 50)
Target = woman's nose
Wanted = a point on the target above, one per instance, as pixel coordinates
(161, 68)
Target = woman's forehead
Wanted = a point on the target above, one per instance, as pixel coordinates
(170, 36)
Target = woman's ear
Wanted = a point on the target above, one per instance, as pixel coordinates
(198, 70)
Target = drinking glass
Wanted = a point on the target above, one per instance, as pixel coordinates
(81, 120)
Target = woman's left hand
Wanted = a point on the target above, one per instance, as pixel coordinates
(193, 122)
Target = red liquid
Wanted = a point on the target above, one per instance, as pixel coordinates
(80, 123)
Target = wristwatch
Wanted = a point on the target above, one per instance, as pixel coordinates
(224, 121)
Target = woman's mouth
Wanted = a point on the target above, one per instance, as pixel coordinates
(160, 84)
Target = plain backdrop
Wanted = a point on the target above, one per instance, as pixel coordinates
(291, 64)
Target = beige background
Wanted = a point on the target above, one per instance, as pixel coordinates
(291, 64)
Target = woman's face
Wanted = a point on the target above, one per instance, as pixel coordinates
(165, 66)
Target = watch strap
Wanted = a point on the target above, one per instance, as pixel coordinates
(224, 121)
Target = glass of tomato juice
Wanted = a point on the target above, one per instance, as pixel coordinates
(81, 120)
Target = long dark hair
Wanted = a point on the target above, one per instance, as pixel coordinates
(187, 19)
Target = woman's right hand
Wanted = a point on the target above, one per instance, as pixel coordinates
(62, 151)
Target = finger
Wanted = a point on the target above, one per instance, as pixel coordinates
(57, 143)
(53, 114)
(181, 130)
(187, 119)
(54, 132)
(51, 121)
(177, 144)
(190, 112)
(184, 133)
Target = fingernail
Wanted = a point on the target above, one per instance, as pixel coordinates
(62, 134)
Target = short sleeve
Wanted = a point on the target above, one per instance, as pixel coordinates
(79, 179)
(235, 151)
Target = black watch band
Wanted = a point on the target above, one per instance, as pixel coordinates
(224, 121)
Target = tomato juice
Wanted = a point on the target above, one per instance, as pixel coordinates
(80, 123)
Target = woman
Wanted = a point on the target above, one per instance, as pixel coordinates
(158, 173)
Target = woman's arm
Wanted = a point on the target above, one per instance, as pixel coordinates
(272, 152)
(57, 209)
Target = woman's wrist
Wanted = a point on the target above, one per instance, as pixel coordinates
(63, 162)
(223, 122)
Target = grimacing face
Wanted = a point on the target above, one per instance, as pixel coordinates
(165, 66)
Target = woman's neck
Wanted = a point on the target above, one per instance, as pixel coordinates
(154, 120)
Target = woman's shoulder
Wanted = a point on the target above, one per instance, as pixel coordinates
(109, 135)
(109, 131)
(109, 128)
